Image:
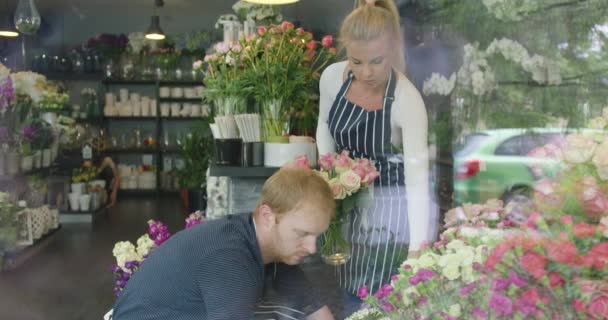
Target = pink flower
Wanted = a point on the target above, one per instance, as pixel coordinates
(501, 304)
(556, 280)
(562, 251)
(308, 36)
(578, 304)
(300, 31)
(370, 177)
(300, 161)
(422, 301)
(534, 263)
(517, 280)
(327, 41)
(363, 292)
(326, 161)
(262, 30)
(600, 254)
(598, 307)
(311, 45)
(583, 230)
(197, 64)
(286, 25)
(532, 220)
(567, 219)
(500, 284)
(478, 313)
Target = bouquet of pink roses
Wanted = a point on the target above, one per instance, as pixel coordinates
(349, 180)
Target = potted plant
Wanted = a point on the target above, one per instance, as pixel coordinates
(196, 152)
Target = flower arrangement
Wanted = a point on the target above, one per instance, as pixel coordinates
(349, 180)
(53, 101)
(84, 174)
(35, 135)
(130, 257)
(261, 14)
(284, 65)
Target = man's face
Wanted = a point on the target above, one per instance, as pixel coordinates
(295, 233)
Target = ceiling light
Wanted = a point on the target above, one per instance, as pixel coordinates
(155, 32)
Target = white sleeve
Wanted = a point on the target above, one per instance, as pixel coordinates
(411, 117)
(325, 141)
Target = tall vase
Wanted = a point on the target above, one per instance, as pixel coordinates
(335, 248)
(274, 119)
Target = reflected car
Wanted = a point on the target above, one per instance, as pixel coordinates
(496, 164)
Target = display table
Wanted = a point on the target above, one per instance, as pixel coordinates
(233, 190)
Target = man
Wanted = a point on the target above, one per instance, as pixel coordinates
(216, 269)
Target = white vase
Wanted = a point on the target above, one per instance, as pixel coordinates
(74, 199)
(27, 162)
(37, 159)
(278, 154)
(78, 188)
(85, 202)
(12, 163)
(54, 150)
(50, 118)
(46, 158)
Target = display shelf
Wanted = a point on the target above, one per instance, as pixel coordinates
(94, 77)
(194, 100)
(114, 118)
(131, 150)
(16, 257)
(80, 216)
(137, 192)
(129, 82)
(180, 82)
(242, 172)
(46, 170)
(171, 150)
(181, 118)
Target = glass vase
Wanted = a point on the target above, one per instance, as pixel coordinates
(335, 248)
(275, 124)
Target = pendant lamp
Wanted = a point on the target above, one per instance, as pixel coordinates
(7, 28)
(155, 32)
(27, 18)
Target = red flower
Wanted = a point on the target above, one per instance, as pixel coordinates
(578, 304)
(583, 230)
(534, 263)
(532, 220)
(496, 255)
(327, 41)
(531, 295)
(262, 30)
(567, 219)
(556, 280)
(598, 307)
(562, 251)
(600, 254)
(286, 25)
(312, 45)
(300, 31)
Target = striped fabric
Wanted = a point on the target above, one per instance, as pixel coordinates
(211, 271)
(379, 234)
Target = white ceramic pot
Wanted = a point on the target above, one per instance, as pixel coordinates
(124, 95)
(177, 92)
(85, 202)
(37, 159)
(278, 154)
(165, 108)
(175, 109)
(54, 150)
(74, 200)
(164, 92)
(77, 188)
(12, 163)
(27, 162)
(46, 158)
(49, 117)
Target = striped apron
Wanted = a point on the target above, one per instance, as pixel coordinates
(378, 234)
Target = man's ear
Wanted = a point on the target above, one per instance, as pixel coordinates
(269, 218)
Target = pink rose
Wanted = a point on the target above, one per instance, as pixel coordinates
(197, 64)
(562, 251)
(556, 280)
(567, 219)
(343, 162)
(311, 45)
(370, 177)
(583, 230)
(307, 35)
(326, 161)
(300, 31)
(327, 41)
(286, 25)
(262, 30)
(337, 189)
(598, 307)
(300, 161)
(578, 304)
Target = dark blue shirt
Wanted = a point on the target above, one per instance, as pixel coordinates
(211, 271)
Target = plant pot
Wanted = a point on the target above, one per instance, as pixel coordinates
(37, 159)
(27, 162)
(277, 139)
(50, 118)
(197, 200)
(12, 163)
(228, 152)
(77, 188)
(74, 199)
(85, 202)
(46, 158)
(278, 154)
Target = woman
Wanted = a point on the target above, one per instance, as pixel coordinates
(368, 107)
(107, 171)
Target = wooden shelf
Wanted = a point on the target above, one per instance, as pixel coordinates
(15, 258)
(242, 172)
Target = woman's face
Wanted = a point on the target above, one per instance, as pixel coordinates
(370, 61)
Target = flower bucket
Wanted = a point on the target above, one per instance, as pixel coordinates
(50, 118)
(74, 199)
(77, 188)
(27, 162)
(85, 202)
(278, 154)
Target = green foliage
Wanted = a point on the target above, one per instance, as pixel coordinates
(197, 151)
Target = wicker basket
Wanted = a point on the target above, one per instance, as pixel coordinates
(25, 236)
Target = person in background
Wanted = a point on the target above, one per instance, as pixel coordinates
(369, 108)
(217, 269)
(108, 172)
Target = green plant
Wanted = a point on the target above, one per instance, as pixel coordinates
(197, 152)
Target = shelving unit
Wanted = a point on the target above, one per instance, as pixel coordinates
(16, 257)
(160, 152)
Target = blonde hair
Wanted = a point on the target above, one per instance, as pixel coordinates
(370, 21)
(289, 188)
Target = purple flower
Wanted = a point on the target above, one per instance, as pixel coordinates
(425, 275)
(7, 94)
(115, 268)
(477, 266)
(28, 133)
(517, 279)
(363, 292)
(525, 306)
(501, 304)
(125, 276)
(407, 267)
(499, 284)
(394, 277)
(387, 306)
(414, 280)
(467, 289)
(478, 313)
(422, 301)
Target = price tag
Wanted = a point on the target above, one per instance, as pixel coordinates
(87, 152)
(147, 159)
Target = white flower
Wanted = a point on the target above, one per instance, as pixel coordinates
(145, 245)
(350, 181)
(368, 313)
(4, 72)
(427, 260)
(137, 42)
(578, 148)
(455, 311)
(438, 84)
(124, 252)
(455, 245)
(337, 189)
(451, 272)
(29, 83)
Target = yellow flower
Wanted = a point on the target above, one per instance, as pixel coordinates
(455, 245)
(455, 311)
(427, 260)
(451, 272)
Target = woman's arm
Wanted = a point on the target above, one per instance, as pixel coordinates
(411, 117)
(327, 84)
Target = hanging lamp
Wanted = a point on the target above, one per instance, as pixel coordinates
(27, 18)
(155, 32)
(272, 2)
